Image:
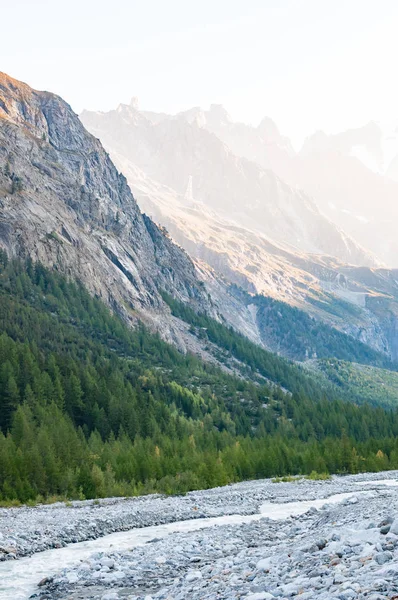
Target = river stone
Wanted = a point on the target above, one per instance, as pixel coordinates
(193, 575)
(110, 596)
(394, 527)
(385, 529)
(387, 521)
(107, 562)
(263, 564)
(260, 596)
(383, 557)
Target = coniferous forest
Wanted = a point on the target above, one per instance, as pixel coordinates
(296, 334)
(90, 408)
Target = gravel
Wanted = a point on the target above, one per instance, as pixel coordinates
(339, 551)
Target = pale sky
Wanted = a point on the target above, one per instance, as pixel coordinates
(307, 64)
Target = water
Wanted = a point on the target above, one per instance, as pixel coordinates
(293, 509)
(19, 578)
(389, 482)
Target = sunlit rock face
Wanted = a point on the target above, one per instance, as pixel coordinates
(174, 150)
(63, 202)
(243, 224)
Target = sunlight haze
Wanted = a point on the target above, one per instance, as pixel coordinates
(308, 65)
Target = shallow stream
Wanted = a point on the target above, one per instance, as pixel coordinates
(19, 578)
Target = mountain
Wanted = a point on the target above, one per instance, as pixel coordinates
(359, 301)
(91, 406)
(375, 145)
(205, 169)
(63, 202)
(341, 171)
(364, 143)
(263, 144)
(344, 173)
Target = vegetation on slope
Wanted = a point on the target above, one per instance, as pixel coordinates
(363, 382)
(89, 408)
(297, 335)
(328, 377)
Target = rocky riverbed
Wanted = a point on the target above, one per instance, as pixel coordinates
(346, 550)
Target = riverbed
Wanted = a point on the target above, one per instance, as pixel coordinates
(205, 513)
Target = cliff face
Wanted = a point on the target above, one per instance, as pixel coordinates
(178, 152)
(63, 202)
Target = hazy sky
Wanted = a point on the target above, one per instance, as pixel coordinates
(308, 64)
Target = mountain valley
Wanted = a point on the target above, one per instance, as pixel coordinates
(198, 300)
(272, 255)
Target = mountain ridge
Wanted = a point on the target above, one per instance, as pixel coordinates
(244, 255)
(238, 188)
(343, 172)
(63, 203)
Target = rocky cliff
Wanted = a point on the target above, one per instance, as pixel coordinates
(63, 202)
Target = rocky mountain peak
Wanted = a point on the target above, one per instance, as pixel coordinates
(368, 137)
(20, 104)
(219, 113)
(268, 130)
(73, 209)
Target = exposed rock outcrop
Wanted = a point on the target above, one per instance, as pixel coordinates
(63, 202)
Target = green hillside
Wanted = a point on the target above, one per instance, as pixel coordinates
(297, 335)
(90, 408)
(363, 383)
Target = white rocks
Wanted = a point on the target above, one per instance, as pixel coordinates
(319, 555)
(394, 527)
(348, 594)
(193, 576)
(263, 564)
(110, 596)
(353, 500)
(160, 560)
(72, 577)
(107, 562)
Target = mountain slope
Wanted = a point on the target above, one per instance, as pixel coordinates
(367, 298)
(63, 202)
(236, 188)
(343, 173)
(366, 383)
(96, 409)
